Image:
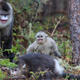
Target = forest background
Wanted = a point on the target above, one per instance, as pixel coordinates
(32, 16)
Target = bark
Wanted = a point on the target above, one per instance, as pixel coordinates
(74, 15)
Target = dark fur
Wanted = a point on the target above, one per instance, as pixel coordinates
(7, 38)
(5, 7)
(8, 45)
(38, 61)
(42, 62)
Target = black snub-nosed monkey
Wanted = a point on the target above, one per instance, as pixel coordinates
(41, 62)
(44, 45)
(6, 25)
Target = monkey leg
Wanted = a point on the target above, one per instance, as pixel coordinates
(8, 45)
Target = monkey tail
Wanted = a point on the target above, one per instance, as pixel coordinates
(71, 76)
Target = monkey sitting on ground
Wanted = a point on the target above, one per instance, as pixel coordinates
(42, 62)
(44, 44)
(6, 24)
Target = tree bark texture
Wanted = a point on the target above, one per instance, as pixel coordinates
(74, 16)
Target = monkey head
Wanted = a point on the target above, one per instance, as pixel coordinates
(6, 13)
(41, 37)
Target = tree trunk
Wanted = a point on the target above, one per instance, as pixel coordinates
(74, 15)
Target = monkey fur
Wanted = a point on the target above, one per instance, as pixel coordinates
(42, 62)
(44, 45)
(6, 25)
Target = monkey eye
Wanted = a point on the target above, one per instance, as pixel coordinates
(41, 36)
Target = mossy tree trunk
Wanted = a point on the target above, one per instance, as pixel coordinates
(74, 16)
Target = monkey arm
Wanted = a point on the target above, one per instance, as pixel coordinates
(8, 45)
(55, 50)
(7, 41)
(7, 38)
(31, 47)
(7, 35)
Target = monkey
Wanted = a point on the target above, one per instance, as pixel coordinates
(41, 62)
(6, 25)
(44, 45)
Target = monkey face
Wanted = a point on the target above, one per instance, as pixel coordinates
(41, 37)
(6, 14)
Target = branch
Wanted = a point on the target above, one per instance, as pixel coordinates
(56, 25)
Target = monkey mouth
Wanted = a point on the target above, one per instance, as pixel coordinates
(3, 21)
(40, 39)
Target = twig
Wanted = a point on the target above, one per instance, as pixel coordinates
(56, 25)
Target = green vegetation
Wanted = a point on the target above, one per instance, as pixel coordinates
(36, 75)
(8, 64)
(25, 28)
(2, 76)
